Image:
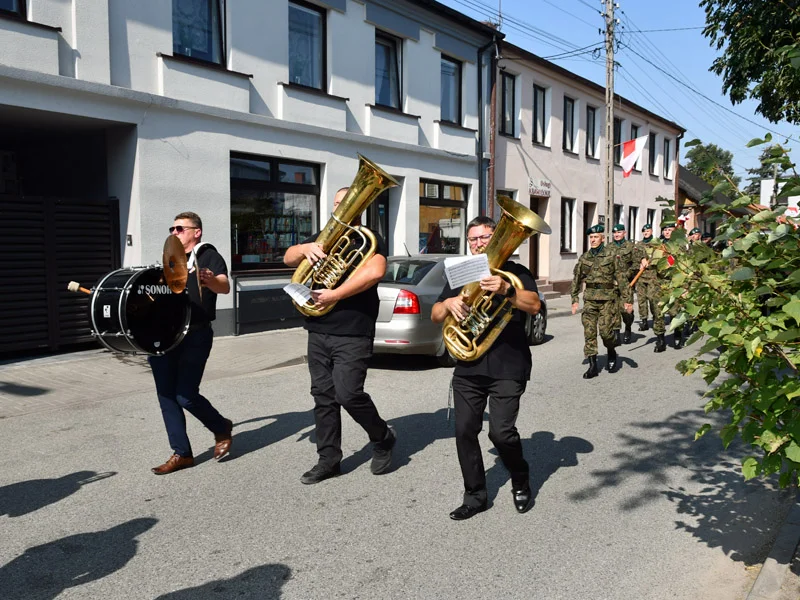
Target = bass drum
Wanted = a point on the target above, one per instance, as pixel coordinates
(134, 311)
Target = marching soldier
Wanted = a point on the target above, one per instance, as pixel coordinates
(648, 290)
(629, 257)
(606, 284)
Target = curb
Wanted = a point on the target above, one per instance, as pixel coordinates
(770, 579)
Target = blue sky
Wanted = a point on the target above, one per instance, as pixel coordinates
(550, 28)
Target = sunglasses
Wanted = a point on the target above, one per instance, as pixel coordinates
(180, 228)
(483, 238)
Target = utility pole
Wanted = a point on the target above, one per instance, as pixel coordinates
(609, 16)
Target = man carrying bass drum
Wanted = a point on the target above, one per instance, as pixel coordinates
(500, 375)
(178, 372)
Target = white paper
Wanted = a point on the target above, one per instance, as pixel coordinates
(299, 293)
(461, 270)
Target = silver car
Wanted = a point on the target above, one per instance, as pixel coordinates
(409, 289)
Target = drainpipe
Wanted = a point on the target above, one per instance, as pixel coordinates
(678, 207)
(482, 192)
(492, 135)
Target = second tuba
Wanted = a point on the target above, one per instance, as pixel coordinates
(469, 339)
(347, 246)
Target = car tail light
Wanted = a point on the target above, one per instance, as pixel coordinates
(407, 303)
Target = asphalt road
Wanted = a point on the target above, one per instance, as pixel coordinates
(628, 506)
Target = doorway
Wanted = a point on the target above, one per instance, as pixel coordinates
(539, 206)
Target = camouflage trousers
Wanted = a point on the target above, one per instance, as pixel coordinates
(626, 317)
(648, 291)
(599, 317)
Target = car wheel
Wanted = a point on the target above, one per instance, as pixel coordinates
(537, 328)
(443, 357)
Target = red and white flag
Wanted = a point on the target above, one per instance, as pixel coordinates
(631, 151)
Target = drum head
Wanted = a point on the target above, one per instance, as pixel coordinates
(156, 317)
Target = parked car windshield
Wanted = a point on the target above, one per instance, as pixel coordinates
(407, 270)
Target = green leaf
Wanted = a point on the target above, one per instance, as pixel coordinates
(792, 308)
(749, 467)
(742, 274)
(792, 451)
(705, 429)
(728, 433)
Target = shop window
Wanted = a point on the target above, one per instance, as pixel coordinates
(274, 205)
(197, 29)
(442, 208)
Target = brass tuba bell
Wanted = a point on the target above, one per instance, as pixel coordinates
(348, 247)
(469, 339)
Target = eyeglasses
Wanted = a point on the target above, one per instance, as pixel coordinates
(180, 228)
(483, 238)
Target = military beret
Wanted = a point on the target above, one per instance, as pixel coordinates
(706, 236)
(596, 229)
(695, 230)
(618, 227)
(667, 224)
(647, 226)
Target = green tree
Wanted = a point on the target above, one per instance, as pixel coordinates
(759, 44)
(745, 301)
(771, 157)
(711, 163)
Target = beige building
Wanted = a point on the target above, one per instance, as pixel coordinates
(550, 155)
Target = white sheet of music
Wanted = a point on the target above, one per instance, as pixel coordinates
(461, 270)
(299, 293)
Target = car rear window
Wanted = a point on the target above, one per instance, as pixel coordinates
(409, 271)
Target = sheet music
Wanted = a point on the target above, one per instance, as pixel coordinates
(461, 270)
(299, 293)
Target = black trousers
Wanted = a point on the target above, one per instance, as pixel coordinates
(177, 375)
(469, 398)
(338, 368)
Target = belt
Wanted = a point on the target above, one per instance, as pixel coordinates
(600, 286)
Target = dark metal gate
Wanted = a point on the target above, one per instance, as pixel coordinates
(45, 243)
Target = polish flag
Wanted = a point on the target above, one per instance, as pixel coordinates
(631, 151)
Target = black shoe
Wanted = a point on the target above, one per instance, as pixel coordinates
(661, 344)
(644, 325)
(465, 511)
(592, 370)
(677, 340)
(613, 361)
(382, 453)
(626, 337)
(320, 472)
(523, 499)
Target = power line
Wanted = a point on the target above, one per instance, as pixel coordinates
(671, 29)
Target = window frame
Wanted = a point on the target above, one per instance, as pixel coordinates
(323, 45)
(207, 56)
(653, 157)
(667, 161)
(20, 13)
(568, 226)
(591, 133)
(396, 45)
(459, 83)
(539, 111)
(651, 216)
(504, 76)
(568, 133)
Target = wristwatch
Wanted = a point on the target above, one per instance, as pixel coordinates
(512, 291)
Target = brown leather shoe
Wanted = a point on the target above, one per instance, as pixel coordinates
(223, 442)
(176, 462)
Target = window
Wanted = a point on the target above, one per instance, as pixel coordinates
(387, 70)
(653, 156)
(651, 215)
(567, 225)
(274, 205)
(667, 158)
(633, 222)
(568, 136)
(591, 131)
(617, 141)
(507, 103)
(306, 45)
(377, 216)
(197, 29)
(617, 214)
(442, 207)
(539, 114)
(451, 90)
(16, 7)
(634, 135)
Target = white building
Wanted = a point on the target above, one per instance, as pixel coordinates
(549, 155)
(248, 112)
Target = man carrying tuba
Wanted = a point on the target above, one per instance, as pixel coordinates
(339, 348)
(500, 374)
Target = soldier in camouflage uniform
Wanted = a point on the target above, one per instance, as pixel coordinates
(648, 289)
(630, 257)
(678, 335)
(606, 284)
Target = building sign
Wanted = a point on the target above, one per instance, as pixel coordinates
(539, 187)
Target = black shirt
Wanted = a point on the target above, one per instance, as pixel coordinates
(354, 316)
(204, 311)
(509, 357)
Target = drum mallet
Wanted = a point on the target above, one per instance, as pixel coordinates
(74, 286)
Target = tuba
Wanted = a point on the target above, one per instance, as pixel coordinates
(348, 247)
(470, 339)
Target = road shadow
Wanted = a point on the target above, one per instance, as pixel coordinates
(43, 572)
(259, 583)
(739, 517)
(547, 337)
(545, 455)
(278, 427)
(18, 389)
(25, 497)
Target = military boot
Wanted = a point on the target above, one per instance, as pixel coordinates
(644, 325)
(592, 370)
(626, 337)
(661, 344)
(613, 361)
(677, 338)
